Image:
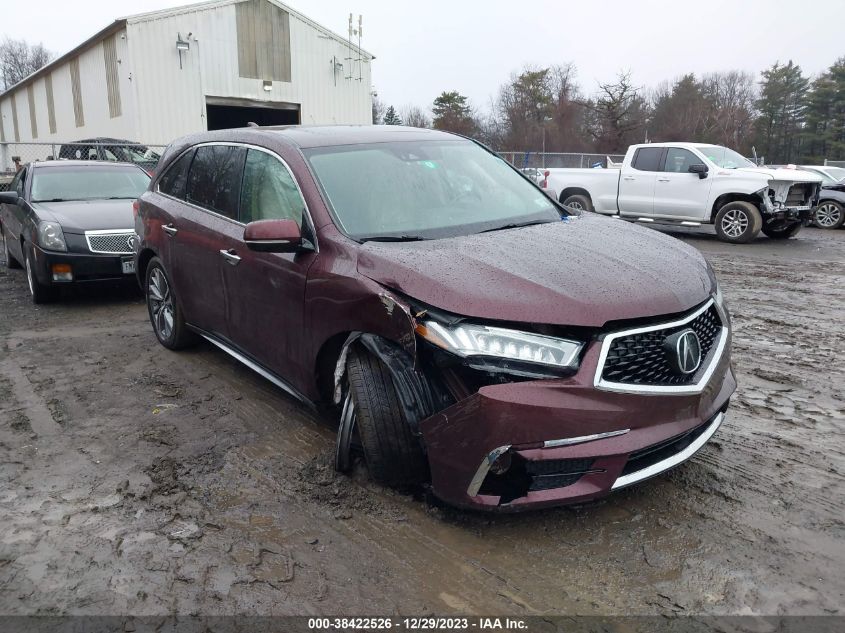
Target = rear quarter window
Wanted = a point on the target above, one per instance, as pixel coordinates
(173, 180)
(647, 159)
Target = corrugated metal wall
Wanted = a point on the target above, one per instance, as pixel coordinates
(130, 85)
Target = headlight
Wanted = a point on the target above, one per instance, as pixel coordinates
(469, 340)
(50, 236)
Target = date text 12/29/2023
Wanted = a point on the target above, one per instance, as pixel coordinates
(428, 623)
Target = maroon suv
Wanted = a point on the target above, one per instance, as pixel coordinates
(468, 331)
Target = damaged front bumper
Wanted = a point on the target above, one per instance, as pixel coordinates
(522, 445)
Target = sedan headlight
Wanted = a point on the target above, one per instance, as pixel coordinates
(468, 340)
(50, 236)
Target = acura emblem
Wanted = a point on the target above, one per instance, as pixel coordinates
(683, 351)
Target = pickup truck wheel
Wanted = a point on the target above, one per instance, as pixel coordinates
(738, 222)
(829, 215)
(393, 455)
(782, 232)
(581, 203)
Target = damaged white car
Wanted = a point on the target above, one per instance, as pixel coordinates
(691, 184)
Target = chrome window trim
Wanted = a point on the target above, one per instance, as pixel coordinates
(306, 209)
(670, 462)
(108, 232)
(698, 387)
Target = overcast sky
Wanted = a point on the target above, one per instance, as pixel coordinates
(472, 46)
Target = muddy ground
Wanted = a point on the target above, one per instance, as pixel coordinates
(134, 480)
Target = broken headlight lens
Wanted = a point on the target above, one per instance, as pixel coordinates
(468, 340)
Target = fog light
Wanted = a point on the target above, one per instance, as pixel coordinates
(62, 272)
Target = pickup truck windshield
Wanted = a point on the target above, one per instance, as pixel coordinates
(424, 190)
(724, 157)
(62, 183)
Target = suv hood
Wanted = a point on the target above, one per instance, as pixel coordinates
(78, 216)
(793, 175)
(584, 272)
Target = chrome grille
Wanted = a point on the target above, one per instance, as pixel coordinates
(635, 360)
(117, 243)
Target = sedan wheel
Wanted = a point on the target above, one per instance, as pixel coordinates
(38, 291)
(829, 215)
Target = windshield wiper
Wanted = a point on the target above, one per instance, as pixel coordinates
(53, 200)
(516, 225)
(391, 238)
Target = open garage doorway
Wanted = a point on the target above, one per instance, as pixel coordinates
(225, 113)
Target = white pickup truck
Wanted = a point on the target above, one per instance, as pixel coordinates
(691, 184)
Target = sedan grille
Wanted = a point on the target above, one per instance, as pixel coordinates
(640, 358)
(117, 243)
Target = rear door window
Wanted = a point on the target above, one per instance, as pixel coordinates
(214, 178)
(269, 192)
(174, 179)
(647, 159)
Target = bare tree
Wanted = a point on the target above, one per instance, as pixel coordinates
(19, 59)
(618, 115)
(732, 95)
(415, 116)
(378, 110)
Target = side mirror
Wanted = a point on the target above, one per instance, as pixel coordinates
(8, 197)
(700, 169)
(275, 236)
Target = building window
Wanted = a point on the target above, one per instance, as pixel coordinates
(76, 89)
(263, 41)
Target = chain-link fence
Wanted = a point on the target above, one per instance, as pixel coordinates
(13, 156)
(524, 160)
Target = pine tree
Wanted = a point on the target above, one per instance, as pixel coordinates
(782, 108)
(824, 128)
(391, 118)
(452, 113)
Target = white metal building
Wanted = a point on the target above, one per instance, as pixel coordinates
(155, 76)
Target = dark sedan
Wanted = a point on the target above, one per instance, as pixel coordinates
(70, 222)
(830, 214)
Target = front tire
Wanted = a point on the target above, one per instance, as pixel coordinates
(829, 215)
(738, 222)
(38, 291)
(165, 314)
(394, 456)
(782, 232)
(579, 202)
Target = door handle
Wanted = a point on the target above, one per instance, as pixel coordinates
(170, 230)
(628, 178)
(662, 180)
(231, 257)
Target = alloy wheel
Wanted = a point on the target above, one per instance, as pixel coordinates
(161, 304)
(828, 215)
(735, 223)
(29, 274)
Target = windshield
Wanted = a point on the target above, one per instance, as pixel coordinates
(724, 157)
(424, 190)
(836, 173)
(87, 183)
(139, 154)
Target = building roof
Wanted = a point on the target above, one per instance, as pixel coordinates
(121, 23)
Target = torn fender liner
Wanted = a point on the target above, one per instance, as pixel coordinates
(413, 388)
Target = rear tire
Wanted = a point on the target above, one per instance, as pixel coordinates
(38, 291)
(11, 262)
(829, 215)
(165, 314)
(579, 202)
(782, 232)
(738, 222)
(394, 456)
